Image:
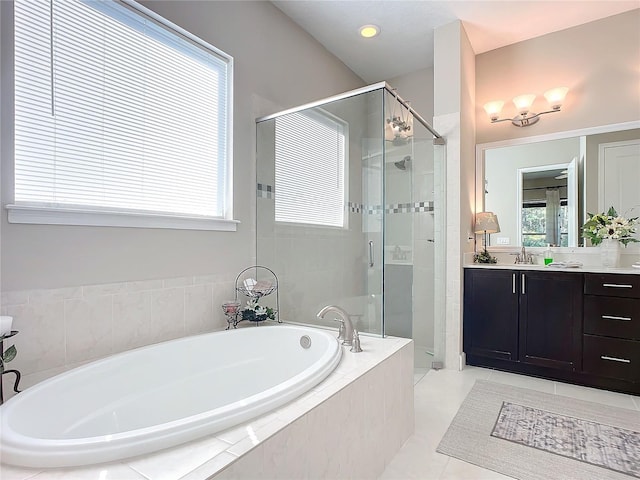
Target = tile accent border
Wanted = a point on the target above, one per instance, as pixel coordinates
(266, 191)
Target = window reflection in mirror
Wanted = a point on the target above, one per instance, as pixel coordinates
(545, 207)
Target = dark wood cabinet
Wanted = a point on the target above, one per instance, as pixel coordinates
(581, 328)
(612, 326)
(551, 319)
(528, 316)
(492, 329)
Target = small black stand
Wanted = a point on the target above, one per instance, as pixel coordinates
(16, 372)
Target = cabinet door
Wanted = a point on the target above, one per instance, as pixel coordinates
(551, 319)
(491, 313)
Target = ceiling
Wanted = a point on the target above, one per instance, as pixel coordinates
(405, 42)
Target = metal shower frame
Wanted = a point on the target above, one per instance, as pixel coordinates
(438, 139)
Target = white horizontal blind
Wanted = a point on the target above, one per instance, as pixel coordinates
(115, 112)
(310, 165)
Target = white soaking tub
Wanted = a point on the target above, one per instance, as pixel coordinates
(163, 395)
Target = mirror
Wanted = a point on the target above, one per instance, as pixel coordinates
(541, 188)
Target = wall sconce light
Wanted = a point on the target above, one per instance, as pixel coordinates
(523, 103)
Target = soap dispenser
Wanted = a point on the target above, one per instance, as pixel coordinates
(548, 255)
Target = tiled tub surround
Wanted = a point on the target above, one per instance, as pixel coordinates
(66, 327)
(318, 435)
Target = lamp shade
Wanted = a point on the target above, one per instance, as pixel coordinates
(493, 109)
(487, 222)
(555, 97)
(523, 103)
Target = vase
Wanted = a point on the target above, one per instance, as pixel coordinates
(610, 252)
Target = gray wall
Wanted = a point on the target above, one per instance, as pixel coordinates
(598, 61)
(277, 65)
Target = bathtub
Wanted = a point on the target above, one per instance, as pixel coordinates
(163, 395)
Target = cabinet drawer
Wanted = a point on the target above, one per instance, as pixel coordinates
(612, 317)
(611, 357)
(612, 285)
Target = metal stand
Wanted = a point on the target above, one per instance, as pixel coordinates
(257, 294)
(15, 372)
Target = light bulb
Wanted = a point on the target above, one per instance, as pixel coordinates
(369, 31)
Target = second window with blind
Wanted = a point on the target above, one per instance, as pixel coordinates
(311, 161)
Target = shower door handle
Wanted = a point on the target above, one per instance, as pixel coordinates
(371, 253)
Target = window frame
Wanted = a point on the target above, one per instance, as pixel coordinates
(36, 213)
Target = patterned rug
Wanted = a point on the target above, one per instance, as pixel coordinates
(591, 442)
(530, 435)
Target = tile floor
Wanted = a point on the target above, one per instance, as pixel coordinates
(439, 394)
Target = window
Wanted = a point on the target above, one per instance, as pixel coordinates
(118, 114)
(534, 227)
(310, 150)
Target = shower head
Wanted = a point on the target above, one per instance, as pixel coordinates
(403, 164)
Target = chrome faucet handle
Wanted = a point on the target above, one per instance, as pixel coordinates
(340, 329)
(355, 343)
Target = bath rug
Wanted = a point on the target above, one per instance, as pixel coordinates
(592, 442)
(475, 433)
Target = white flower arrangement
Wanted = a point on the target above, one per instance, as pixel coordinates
(257, 313)
(609, 225)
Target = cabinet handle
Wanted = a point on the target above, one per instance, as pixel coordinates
(613, 317)
(614, 359)
(616, 285)
(524, 289)
(371, 253)
(513, 283)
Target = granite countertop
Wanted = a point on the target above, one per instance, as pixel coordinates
(583, 269)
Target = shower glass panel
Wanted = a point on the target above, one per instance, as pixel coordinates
(345, 215)
(409, 234)
(320, 215)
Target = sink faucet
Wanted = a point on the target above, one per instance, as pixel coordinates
(523, 257)
(347, 334)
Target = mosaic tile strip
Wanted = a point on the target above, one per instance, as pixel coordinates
(265, 191)
(606, 446)
(355, 207)
(268, 191)
(414, 207)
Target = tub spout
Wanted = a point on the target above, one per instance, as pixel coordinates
(344, 319)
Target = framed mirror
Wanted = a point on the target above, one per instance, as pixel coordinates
(541, 188)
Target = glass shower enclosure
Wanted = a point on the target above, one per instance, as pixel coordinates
(345, 213)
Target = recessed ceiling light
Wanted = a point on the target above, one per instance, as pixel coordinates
(368, 31)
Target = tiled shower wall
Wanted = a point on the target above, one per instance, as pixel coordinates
(61, 328)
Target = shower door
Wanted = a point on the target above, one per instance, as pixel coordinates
(320, 209)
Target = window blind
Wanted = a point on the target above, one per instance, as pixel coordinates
(115, 111)
(310, 151)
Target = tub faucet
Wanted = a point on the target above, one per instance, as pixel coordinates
(346, 334)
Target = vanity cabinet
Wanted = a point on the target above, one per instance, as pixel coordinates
(578, 327)
(523, 316)
(491, 330)
(551, 319)
(612, 326)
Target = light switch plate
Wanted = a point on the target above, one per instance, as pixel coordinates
(502, 241)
